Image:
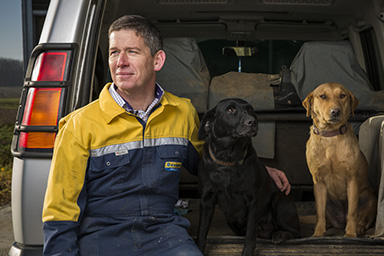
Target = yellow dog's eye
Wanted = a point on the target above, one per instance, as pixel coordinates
(323, 96)
(342, 96)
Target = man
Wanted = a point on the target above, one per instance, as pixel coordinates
(115, 170)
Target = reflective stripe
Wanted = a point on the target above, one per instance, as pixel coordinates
(138, 144)
(165, 141)
(116, 148)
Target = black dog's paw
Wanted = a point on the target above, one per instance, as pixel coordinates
(248, 251)
(281, 236)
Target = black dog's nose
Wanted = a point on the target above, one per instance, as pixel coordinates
(335, 112)
(249, 121)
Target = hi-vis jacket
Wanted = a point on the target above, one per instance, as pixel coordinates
(109, 167)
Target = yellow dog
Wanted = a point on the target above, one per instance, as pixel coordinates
(339, 169)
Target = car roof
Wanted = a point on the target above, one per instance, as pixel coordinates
(248, 19)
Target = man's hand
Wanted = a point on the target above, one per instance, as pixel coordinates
(280, 179)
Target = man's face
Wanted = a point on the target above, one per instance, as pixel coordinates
(131, 64)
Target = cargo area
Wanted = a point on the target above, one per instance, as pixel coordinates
(222, 241)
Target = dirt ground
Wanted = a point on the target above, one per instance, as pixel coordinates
(6, 230)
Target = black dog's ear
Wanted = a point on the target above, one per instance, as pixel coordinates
(206, 124)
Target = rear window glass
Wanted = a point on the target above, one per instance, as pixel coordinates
(269, 57)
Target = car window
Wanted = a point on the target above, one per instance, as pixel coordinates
(268, 58)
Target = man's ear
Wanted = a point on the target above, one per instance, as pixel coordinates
(307, 103)
(206, 124)
(159, 60)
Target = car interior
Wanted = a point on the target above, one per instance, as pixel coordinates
(271, 53)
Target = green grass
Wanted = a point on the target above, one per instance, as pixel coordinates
(6, 132)
(9, 103)
(8, 107)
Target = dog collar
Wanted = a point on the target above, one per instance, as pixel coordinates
(225, 163)
(341, 130)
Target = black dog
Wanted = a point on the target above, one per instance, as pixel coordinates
(231, 175)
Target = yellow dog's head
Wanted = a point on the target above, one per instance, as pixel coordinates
(330, 103)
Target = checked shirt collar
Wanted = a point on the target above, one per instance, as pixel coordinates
(159, 92)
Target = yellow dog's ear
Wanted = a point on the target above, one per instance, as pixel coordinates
(354, 102)
(307, 103)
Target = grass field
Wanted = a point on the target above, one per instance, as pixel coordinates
(6, 131)
(8, 109)
(9, 103)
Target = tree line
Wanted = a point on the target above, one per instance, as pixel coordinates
(11, 73)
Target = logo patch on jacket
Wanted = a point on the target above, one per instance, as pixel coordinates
(121, 152)
(173, 166)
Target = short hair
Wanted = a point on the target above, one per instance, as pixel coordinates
(143, 27)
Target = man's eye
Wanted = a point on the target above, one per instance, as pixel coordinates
(113, 53)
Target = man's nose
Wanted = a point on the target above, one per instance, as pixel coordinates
(122, 60)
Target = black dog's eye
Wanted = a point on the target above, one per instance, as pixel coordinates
(323, 96)
(342, 96)
(231, 110)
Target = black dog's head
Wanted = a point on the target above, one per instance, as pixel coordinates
(229, 118)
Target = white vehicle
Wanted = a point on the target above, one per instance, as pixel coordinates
(269, 52)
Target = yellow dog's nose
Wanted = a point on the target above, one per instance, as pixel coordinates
(335, 112)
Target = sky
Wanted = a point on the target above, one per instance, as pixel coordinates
(11, 42)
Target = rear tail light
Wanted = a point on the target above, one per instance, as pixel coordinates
(50, 66)
(37, 140)
(41, 109)
(42, 106)
(43, 100)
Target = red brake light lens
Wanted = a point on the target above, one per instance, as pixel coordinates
(50, 66)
